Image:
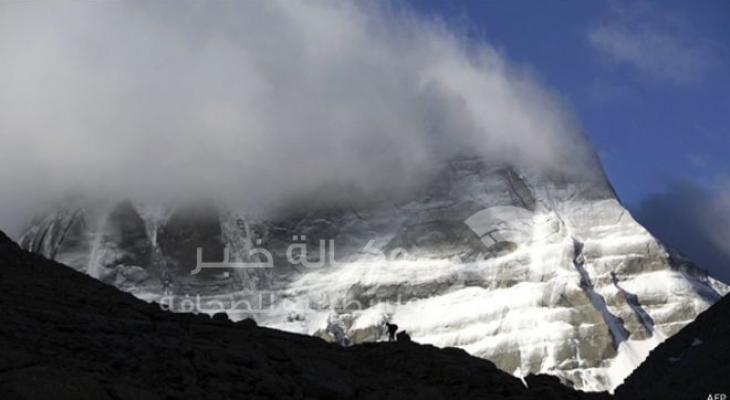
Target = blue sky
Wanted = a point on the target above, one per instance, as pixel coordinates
(649, 81)
(659, 114)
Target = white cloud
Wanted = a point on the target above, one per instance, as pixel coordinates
(657, 47)
(258, 101)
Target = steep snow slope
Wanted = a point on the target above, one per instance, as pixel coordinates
(538, 271)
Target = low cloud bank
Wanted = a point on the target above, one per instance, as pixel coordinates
(259, 102)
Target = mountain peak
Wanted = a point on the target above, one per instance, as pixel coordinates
(539, 271)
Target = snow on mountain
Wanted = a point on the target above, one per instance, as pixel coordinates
(538, 271)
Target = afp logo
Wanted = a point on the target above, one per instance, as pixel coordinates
(717, 396)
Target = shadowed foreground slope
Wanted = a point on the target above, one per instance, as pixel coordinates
(693, 364)
(65, 335)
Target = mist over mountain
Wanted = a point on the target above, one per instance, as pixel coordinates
(262, 103)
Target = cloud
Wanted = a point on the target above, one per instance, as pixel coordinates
(260, 102)
(698, 160)
(601, 92)
(694, 220)
(656, 46)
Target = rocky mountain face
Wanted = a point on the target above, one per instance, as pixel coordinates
(537, 271)
(692, 364)
(66, 336)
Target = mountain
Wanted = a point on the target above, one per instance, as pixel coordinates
(65, 335)
(539, 270)
(693, 364)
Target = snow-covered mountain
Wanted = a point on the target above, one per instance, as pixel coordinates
(538, 271)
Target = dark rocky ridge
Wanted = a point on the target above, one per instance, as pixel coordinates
(693, 364)
(65, 335)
